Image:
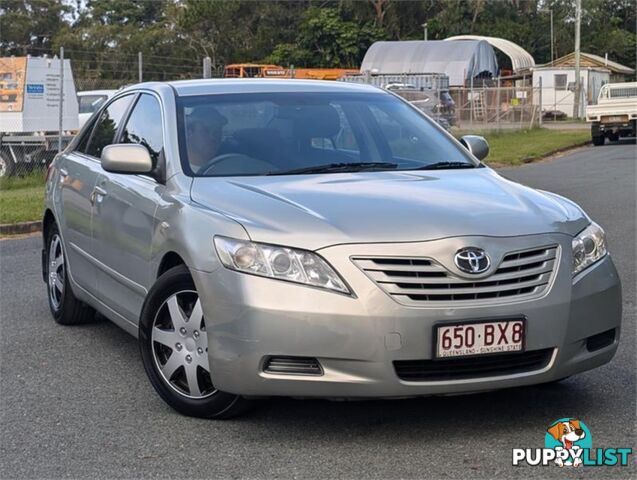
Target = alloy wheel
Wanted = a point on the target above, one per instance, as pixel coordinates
(57, 272)
(180, 345)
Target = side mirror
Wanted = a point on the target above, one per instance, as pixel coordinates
(476, 145)
(126, 158)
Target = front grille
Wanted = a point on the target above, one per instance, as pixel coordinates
(472, 367)
(293, 366)
(418, 280)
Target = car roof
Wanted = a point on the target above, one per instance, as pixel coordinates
(249, 85)
(96, 92)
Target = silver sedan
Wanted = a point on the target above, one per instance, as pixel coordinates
(317, 239)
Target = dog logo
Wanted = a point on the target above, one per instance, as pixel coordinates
(572, 438)
(568, 443)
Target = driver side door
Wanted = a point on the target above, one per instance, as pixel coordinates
(124, 222)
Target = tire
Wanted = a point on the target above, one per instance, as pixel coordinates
(172, 326)
(613, 137)
(65, 308)
(598, 140)
(7, 165)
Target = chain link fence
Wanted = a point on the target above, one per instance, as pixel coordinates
(496, 107)
(32, 97)
(28, 146)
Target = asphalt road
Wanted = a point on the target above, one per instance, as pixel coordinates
(75, 402)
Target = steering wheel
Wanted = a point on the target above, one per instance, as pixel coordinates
(227, 157)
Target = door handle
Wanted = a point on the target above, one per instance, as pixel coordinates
(63, 175)
(97, 192)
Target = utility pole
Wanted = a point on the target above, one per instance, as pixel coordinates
(552, 41)
(578, 86)
(207, 67)
(139, 65)
(424, 26)
(61, 112)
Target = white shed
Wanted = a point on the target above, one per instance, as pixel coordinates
(558, 80)
(558, 87)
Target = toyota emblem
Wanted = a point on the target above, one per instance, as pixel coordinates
(472, 260)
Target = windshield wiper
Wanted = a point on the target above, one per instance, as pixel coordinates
(339, 167)
(445, 165)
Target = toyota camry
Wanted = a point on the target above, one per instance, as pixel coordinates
(317, 239)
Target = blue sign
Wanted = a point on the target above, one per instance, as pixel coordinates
(36, 88)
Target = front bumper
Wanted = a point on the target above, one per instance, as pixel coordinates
(357, 338)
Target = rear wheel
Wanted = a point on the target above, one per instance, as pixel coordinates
(613, 137)
(597, 135)
(174, 348)
(7, 165)
(598, 140)
(65, 308)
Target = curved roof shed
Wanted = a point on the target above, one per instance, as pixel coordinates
(520, 58)
(460, 60)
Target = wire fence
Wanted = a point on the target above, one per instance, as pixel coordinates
(38, 117)
(496, 107)
(35, 89)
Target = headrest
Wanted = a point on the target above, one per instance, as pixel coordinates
(257, 136)
(205, 115)
(312, 121)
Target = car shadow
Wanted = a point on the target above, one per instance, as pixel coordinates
(623, 141)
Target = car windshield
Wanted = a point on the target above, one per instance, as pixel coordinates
(298, 133)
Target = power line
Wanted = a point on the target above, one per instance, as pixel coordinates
(102, 52)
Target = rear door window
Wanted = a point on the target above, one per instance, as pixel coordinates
(107, 126)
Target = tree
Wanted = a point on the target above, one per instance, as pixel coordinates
(102, 37)
(28, 26)
(380, 7)
(326, 40)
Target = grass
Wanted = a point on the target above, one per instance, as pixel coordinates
(22, 198)
(523, 146)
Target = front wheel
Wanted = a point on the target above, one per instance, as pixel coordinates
(174, 348)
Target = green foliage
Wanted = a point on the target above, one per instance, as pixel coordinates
(30, 22)
(103, 36)
(22, 204)
(325, 39)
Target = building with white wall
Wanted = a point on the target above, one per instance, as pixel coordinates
(558, 81)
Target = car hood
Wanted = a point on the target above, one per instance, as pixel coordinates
(315, 211)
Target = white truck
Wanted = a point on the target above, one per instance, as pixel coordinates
(90, 101)
(615, 114)
(30, 90)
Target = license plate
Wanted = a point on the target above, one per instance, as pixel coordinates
(479, 338)
(615, 119)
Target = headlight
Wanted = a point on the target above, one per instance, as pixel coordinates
(588, 247)
(283, 263)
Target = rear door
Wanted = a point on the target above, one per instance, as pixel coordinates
(79, 171)
(124, 222)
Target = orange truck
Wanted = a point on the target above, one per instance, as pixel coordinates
(260, 70)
